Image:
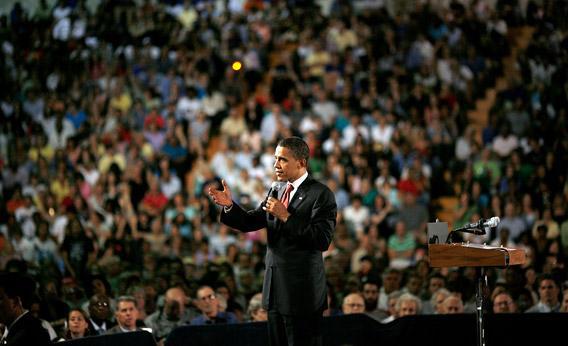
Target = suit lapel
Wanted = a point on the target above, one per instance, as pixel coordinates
(300, 195)
(298, 198)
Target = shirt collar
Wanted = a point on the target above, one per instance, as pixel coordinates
(299, 181)
(97, 327)
(16, 320)
(124, 330)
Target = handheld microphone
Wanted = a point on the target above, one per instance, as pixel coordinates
(273, 192)
(479, 226)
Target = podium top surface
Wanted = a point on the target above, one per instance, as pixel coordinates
(474, 255)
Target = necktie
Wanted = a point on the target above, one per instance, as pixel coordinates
(286, 195)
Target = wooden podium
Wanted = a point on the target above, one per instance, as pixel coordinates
(473, 255)
(479, 256)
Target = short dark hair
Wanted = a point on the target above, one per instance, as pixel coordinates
(547, 276)
(18, 285)
(297, 146)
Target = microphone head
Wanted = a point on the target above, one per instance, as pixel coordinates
(277, 185)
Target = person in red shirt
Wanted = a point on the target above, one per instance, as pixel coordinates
(154, 201)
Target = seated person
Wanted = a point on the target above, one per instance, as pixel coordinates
(255, 310)
(209, 305)
(353, 303)
(126, 315)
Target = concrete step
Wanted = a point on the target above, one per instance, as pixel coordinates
(520, 38)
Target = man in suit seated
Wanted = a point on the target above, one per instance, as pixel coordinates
(23, 328)
(100, 313)
(209, 305)
(126, 315)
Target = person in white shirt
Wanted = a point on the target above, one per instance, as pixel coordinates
(548, 292)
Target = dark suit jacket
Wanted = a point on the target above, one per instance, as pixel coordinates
(116, 330)
(27, 331)
(294, 282)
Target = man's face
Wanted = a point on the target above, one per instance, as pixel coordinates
(7, 306)
(407, 308)
(99, 307)
(353, 304)
(370, 293)
(126, 315)
(564, 307)
(453, 305)
(439, 301)
(391, 282)
(208, 303)
(391, 306)
(286, 167)
(414, 285)
(223, 291)
(435, 284)
(548, 292)
(503, 304)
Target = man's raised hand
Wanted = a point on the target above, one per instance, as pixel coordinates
(221, 197)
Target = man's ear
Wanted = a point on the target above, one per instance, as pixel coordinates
(17, 301)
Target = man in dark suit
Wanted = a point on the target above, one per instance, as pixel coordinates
(16, 291)
(126, 315)
(300, 224)
(100, 314)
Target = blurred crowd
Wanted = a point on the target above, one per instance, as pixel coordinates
(116, 117)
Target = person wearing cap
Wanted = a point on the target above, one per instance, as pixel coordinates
(300, 220)
(23, 329)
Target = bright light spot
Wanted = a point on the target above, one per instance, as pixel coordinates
(237, 65)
